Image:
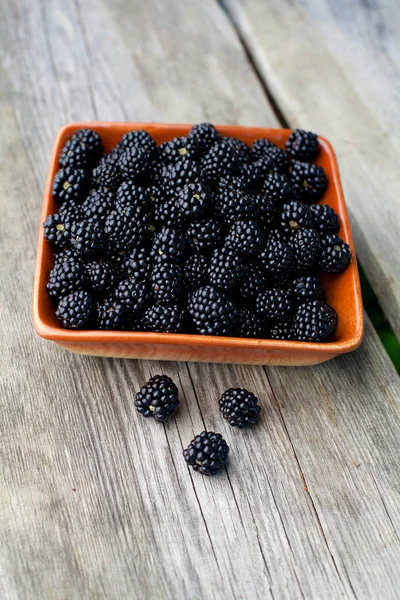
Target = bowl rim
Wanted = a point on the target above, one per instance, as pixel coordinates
(59, 334)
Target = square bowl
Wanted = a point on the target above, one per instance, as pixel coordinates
(342, 291)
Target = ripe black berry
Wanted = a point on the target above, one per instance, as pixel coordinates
(207, 453)
(302, 145)
(239, 407)
(314, 322)
(164, 318)
(324, 219)
(75, 310)
(211, 311)
(308, 181)
(335, 256)
(158, 398)
(69, 184)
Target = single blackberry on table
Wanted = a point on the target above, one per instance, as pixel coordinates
(66, 276)
(169, 244)
(211, 311)
(246, 237)
(57, 230)
(275, 304)
(86, 237)
(127, 228)
(82, 151)
(193, 201)
(251, 284)
(75, 310)
(307, 288)
(260, 148)
(250, 324)
(281, 330)
(277, 257)
(302, 145)
(164, 318)
(100, 275)
(166, 282)
(204, 235)
(139, 138)
(205, 136)
(295, 216)
(277, 188)
(314, 321)
(221, 160)
(207, 453)
(324, 218)
(137, 261)
(129, 194)
(133, 292)
(306, 246)
(239, 407)
(158, 398)
(308, 181)
(178, 149)
(195, 271)
(135, 164)
(69, 184)
(226, 268)
(97, 205)
(111, 314)
(107, 174)
(182, 173)
(233, 205)
(335, 255)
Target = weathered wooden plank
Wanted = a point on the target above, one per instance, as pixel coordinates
(96, 501)
(334, 67)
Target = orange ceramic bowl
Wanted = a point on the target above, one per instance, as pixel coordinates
(343, 291)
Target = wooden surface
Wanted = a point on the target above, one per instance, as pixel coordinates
(333, 66)
(96, 502)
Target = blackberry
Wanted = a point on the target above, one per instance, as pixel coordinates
(314, 321)
(276, 158)
(98, 205)
(117, 260)
(281, 330)
(66, 276)
(277, 257)
(307, 288)
(239, 407)
(302, 145)
(111, 314)
(267, 209)
(306, 246)
(246, 237)
(193, 201)
(137, 261)
(169, 244)
(250, 324)
(221, 160)
(252, 283)
(71, 209)
(135, 165)
(207, 453)
(75, 310)
(168, 214)
(277, 188)
(204, 235)
(260, 148)
(308, 181)
(65, 255)
(139, 138)
(86, 237)
(82, 151)
(133, 292)
(107, 174)
(158, 398)
(129, 194)
(233, 205)
(256, 173)
(275, 304)
(195, 271)
(335, 255)
(166, 282)
(178, 149)
(295, 216)
(57, 230)
(164, 319)
(125, 229)
(69, 184)
(234, 182)
(324, 219)
(182, 173)
(226, 268)
(239, 146)
(101, 277)
(212, 312)
(205, 136)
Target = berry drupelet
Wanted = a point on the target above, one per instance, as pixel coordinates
(314, 321)
(302, 145)
(239, 407)
(158, 398)
(207, 453)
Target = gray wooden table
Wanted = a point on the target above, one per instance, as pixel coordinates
(96, 502)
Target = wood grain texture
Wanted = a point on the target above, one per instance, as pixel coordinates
(96, 502)
(334, 67)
